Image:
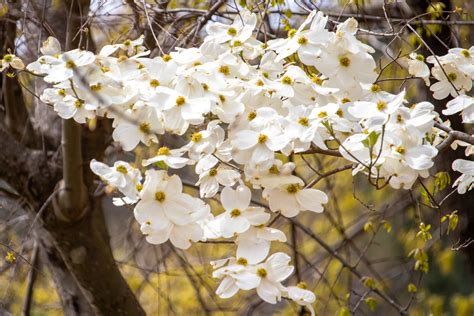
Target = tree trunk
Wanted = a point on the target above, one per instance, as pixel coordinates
(77, 252)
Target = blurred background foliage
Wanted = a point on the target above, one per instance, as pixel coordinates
(382, 225)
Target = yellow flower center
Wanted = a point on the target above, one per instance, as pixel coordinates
(345, 100)
(166, 58)
(222, 98)
(259, 83)
(122, 169)
(180, 101)
(261, 272)
(291, 32)
(139, 187)
(163, 151)
(302, 40)
(274, 170)
(302, 285)
(213, 172)
(262, 138)
(70, 64)
(154, 83)
(251, 116)
(127, 43)
(235, 212)
(344, 62)
(286, 80)
(232, 31)
(62, 92)
(242, 261)
(381, 105)
(145, 127)
(160, 196)
(196, 137)
(96, 87)
(400, 150)
(452, 76)
(78, 103)
(303, 121)
(375, 88)
(293, 188)
(225, 70)
(8, 58)
(322, 114)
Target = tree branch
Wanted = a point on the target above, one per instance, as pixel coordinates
(31, 281)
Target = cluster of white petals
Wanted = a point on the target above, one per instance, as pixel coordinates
(244, 104)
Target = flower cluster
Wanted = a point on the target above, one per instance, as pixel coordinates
(454, 73)
(246, 106)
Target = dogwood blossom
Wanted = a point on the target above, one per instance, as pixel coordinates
(466, 181)
(302, 296)
(122, 176)
(164, 212)
(464, 104)
(418, 68)
(10, 60)
(291, 199)
(265, 277)
(239, 110)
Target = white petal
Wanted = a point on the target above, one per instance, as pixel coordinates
(227, 288)
(268, 292)
(253, 250)
(312, 199)
(278, 267)
(245, 139)
(247, 280)
(236, 199)
(127, 135)
(286, 203)
(150, 211)
(159, 237)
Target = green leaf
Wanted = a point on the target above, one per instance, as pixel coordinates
(344, 311)
(371, 303)
(387, 226)
(442, 180)
(369, 282)
(412, 288)
(369, 227)
(161, 165)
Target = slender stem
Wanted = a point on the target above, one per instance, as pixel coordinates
(31, 281)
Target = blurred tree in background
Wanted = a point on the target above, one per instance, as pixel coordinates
(373, 251)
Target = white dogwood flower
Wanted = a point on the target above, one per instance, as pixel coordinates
(10, 60)
(291, 199)
(466, 181)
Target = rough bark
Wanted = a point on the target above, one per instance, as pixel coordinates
(77, 252)
(16, 115)
(73, 301)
